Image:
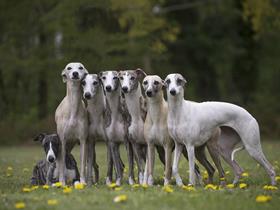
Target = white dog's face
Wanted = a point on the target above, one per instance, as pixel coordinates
(90, 85)
(130, 79)
(110, 80)
(152, 84)
(74, 72)
(175, 84)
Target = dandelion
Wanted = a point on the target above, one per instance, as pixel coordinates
(26, 189)
(25, 170)
(118, 189)
(245, 174)
(120, 198)
(242, 185)
(136, 186)
(9, 168)
(205, 175)
(168, 189)
(79, 186)
(112, 186)
(46, 187)
(188, 188)
(277, 178)
(67, 190)
(211, 187)
(35, 187)
(222, 179)
(52, 202)
(58, 184)
(270, 187)
(20, 205)
(125, 170)
(8, 174)
(227, 172)
(230, 186)
(263, 198)
(145, 186)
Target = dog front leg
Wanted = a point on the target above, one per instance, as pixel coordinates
(177, 154)
(109, 164)
(62, 163)
(191, 155)
(83, 161)
(50, 173)
(151, 161)
(89, 162)
(129, 151)
(95, 165)
(168, 160)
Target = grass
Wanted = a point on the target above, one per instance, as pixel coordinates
(22, 159)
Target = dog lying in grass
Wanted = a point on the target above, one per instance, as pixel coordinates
(45, 171)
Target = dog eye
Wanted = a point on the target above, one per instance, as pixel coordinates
(103, 77)
(132, 78)
(179, 81)
(167, 81)
(69, 68)
(145, 82)
(114, 78)
(156, 82)
(81, 68)
(121, 78)
(83, 83)
(95, 83)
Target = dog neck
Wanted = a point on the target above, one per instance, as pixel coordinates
(155, 104)
(175, 103)
(132, 100)
(96, 104)
(74, 97)
(114, 102)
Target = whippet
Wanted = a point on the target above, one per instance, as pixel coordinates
(118, 120)
(96, 106)
(45, 171)
(71, 118)
(192, 124)
(156, 131)
(131, 86)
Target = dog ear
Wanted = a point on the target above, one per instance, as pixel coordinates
(64, 77)
(140, 73)
(56, 138)
(40, 137)
(184, 81)
(100, 74)
(163, 84)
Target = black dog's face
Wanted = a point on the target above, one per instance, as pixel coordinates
(50, 144)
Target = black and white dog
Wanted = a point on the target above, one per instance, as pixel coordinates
(45, 171)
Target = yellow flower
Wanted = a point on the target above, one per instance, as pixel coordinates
(242, 185)
(145, 186)
(35, 187)
(8, 174)
(120, 198)
(211, 187)
(79, 186)
(205, 175)
(136, 186)
(9, 168)
(222, 179)
(263, 198)
(24, 170)
(52, 202)
(188, 188)
(245, 174)
(26, 189)
(113, 185)
(58, 184)
(46, 187)
(20, 205)
(270, 187)
(125, 170)
(230, 186)
(227, 172)
(277, 178)
(67, 190)
(167, 189)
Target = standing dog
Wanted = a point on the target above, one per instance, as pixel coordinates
(118, 120)
(45, 171)
(71, 118)
(192, 124)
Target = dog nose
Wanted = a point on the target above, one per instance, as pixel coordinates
(173, 92)
(87, 95)
(125, 89)
(75, 74)
(51, 159)
(108, 88)
(149, 93)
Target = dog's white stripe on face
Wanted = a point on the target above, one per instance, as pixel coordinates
(50, 153)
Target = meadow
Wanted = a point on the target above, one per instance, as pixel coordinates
(16, 165)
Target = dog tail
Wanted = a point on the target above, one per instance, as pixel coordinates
(236, 150)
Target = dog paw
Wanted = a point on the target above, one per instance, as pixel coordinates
(118, 182)
(150, 180)
(130, 181)
(141, 178)
(166, 181)
(108, 181)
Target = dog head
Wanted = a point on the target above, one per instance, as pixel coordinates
(175, 84)
(152, 85)
(74, 72)
(51, 145)
(109, 80)
(90, 85)
(130, 79)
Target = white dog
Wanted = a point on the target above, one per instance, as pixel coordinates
(192, 124)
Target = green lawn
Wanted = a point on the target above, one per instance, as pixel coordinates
(22, 159)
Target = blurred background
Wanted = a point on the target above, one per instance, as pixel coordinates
(228, 50)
